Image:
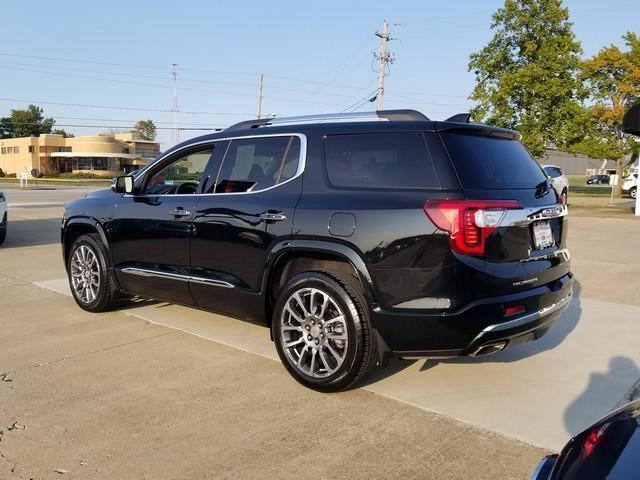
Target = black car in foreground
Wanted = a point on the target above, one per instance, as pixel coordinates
(351, 237)
(598, 180)
(609, 449)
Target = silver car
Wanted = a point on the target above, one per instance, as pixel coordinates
(559, 181)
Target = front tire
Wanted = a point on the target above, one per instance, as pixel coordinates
(633, 192)
(322, 331)
(89, 274)
(563, 197)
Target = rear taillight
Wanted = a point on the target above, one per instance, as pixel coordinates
(468, 222)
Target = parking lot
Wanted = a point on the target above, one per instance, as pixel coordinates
(161, 391)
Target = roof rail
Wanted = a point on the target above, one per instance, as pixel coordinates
(397, 115)
(460, 118)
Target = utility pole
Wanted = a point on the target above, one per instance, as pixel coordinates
(260, 87)
(175, 133)
(385, 58)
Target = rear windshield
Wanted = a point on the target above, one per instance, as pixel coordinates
(484, 162)
(380, 160)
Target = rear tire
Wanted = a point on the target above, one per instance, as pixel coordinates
(322, 331)
(563, 197)
(3, 229)
(90, 275)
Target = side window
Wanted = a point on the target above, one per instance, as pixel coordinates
(254, 164)
(181, 176)
(380, 160)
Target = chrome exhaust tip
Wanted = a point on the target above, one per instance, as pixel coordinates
(489, 349)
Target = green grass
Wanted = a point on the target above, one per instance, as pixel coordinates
(578, 186)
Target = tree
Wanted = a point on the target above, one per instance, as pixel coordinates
(25, 123)
(63, 132)
(527, 75)
(144, 130)
(613, 80)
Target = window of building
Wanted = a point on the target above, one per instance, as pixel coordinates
(30, 148)
(92, 163)
(64, 149)
(3, 150)
(381, 160)
(255, 164)
(43, 150)
(145, 151)
(16, 149)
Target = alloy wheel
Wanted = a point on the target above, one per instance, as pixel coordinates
(85, 274)
(314, 332)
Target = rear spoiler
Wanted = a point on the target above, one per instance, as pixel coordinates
(631, 120)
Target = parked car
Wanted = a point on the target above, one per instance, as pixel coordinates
(352, 237)
(3, 217)
(606, 450)
(598, 180)
(630, 185)
(559, 181)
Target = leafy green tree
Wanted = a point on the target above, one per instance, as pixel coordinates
(613, 80)
(144, 130)
(25, 123)
(63, 132)
(527, 75)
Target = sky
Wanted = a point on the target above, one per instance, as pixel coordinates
(76, 58)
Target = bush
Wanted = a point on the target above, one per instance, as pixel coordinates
(85, 175)
(11, 175)
(2, 174)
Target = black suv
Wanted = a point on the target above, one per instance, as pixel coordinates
(351, 237)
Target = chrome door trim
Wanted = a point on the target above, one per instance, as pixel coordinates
(302, 161)
(144, 272)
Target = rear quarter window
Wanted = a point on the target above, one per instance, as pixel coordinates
(380, 161)
(486, 163)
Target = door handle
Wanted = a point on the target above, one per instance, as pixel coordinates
(272, 217)
(179, 212)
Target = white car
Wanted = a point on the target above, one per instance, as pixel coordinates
(3, 217)
(559, 181)
(630, 185)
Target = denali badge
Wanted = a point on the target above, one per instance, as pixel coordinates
(525, 282)
(551, 212)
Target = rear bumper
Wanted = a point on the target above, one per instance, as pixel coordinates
(477, 329)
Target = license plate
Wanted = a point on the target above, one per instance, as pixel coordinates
(542, 234)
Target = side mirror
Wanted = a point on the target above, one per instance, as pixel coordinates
(123, 184)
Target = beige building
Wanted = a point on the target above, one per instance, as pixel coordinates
(54, 154)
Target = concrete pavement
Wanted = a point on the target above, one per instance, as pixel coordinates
(540, 392)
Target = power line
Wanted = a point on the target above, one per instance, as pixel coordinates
(110, 107)
(110, 126)
(157, 77)
(123, 120)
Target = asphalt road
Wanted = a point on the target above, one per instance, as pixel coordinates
(162, 391)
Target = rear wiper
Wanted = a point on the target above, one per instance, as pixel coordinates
(542, 189)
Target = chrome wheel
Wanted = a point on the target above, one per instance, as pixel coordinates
(314, 332)
(85, 274)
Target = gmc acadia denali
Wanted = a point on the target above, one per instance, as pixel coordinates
(352, 237)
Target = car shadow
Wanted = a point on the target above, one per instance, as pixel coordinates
(597, 400)
(31, 232)
(558, 333)
(138, 302)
